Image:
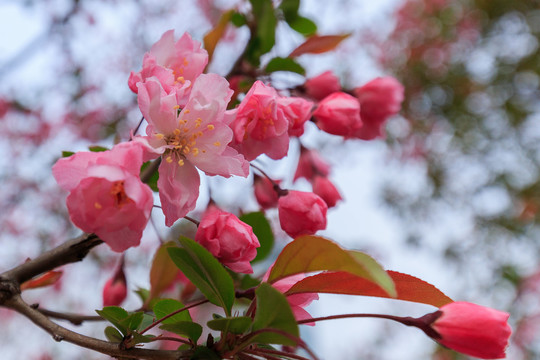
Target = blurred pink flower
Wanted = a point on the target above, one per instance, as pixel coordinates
(106, 195)
(228, 238)
(298, 111)
(265, 194)
(379, 99)
(311, 164)
(301, 213)
(321, 86)
(338, 114)
(323, 187)
(197, 137)
(115, 289)
(175, 64)
(261, 126)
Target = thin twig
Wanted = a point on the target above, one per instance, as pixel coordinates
(75, 319)
(260, 351)
(159, 321)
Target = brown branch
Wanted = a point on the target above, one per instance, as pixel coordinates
(75, 319)
(60, 333)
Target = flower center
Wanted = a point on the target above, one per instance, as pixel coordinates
(119, 195)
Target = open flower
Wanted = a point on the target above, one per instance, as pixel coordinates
(175, 64)
(229, 239)
(472, 329)
(195, 137)
(106, 195)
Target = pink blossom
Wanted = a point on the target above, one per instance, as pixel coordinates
(197, 137)
(261, 125)
(298, 111)
(379, 99)
(230, 240)
(115, 289)
(322, 85)
(338, 114)
(301, 213)
(323, 187)
(176, 65)
(106, 195)
(311, 164)
(473, 329)
(265, 194)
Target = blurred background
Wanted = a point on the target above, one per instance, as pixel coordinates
(452, 195)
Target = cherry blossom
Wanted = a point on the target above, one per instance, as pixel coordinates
(301, 213)
(338, 114)
(322, 85)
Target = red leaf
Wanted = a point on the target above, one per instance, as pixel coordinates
(409, 288)
(163, 271)
(319, 44)
(49, 278)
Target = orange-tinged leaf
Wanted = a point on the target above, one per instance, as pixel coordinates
(163, 271)
(409, 288)
(213, 36)
(47, 279)
(319, 44)
(313, 253)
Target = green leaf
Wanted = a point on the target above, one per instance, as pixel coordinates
(205, 272)
(141, 339)
(248, 282)
(133, 321)
(146, 321)
(204, 353)
(97, 148)
(115, 315)
(163, 271)
(378, 275)
(165, 307)
(408, 288)
(263, 232)
(67, 153)
(235, 325)
(152, 182)
(289, 8)
(113, 335)
(273, 312)
(263, 37)
(284, 64)
(238, 19)
(185, 328)
(313, 253)
(303, 25)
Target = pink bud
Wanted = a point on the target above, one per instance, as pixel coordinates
(115, 289)
(311, 164)
(379, 99)
(323, 187)
(230, 240)
(473, 329)
(322, 85)
(265, 194)
(338, 114)
(298, 111)
(302, 213)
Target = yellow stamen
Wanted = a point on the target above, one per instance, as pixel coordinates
(181, 162)
(217, 143)
(168, 159)
(186, 63)
(195, 151)
(176, 131)
(159, 136)
(186, 111)
(181, 79)
(97, 205)
(176, 107)
(210, 127)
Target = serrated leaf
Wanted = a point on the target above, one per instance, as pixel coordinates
(284, 64)
(303, 25)
(313, 253)
(318, 44)
(163, 271)
(115, 315)
(165, 307)
(235, 325)
(205, 272)
(213, 36)
(408, 288)
(133, 321)
(97, 148)
(67, 153)
(378, 275)
(185, 328)
(263, 232)
(273, 312)
(113, 335)
(152, 182)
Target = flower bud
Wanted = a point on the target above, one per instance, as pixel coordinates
(311, 164)
(230, 240)
(322, 85)
(471, 329)
(323, 187)
(115, 289)
(264, 191)
(338, 114)
(302, 213)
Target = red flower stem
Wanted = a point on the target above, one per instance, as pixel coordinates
(277, 188)
(262, 352)
(138, 126)
(170, 338)
(157, 322)
(196, 222)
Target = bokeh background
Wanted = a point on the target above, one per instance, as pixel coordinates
(452, 195)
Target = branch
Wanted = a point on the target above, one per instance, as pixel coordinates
(75, 319)
(60, 333)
